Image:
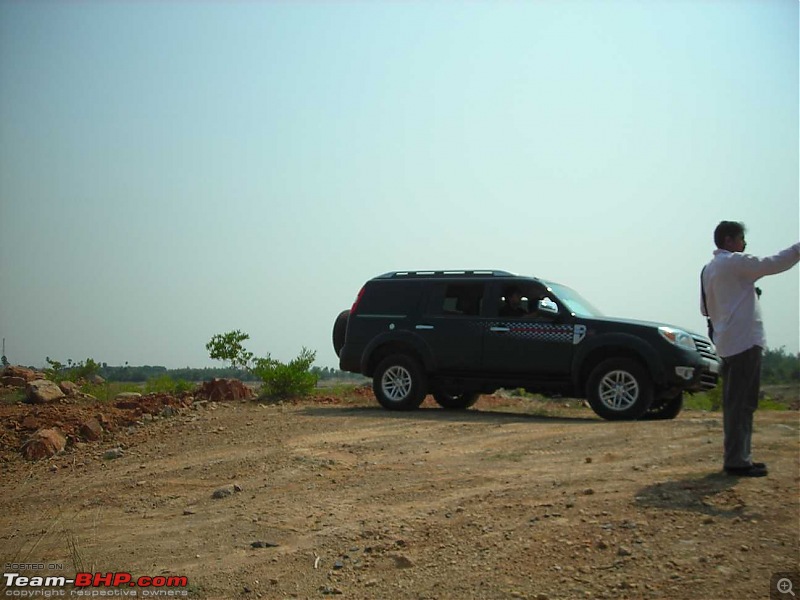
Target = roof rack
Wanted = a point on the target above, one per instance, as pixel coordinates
(450, 273)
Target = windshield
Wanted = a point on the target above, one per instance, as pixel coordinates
(574, 301)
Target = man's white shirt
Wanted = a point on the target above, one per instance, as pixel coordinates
(729, 282)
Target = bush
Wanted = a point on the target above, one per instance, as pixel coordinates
(59, 372)
(165, 384)
(710, 400)
(286, 380)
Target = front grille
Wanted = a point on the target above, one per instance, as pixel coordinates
(708, 379)
(705, 348)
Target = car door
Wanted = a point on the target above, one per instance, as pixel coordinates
(538, 343)
(451, 325)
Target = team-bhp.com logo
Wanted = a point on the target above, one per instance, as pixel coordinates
(89, 584)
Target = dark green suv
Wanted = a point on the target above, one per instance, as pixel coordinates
(459, 334)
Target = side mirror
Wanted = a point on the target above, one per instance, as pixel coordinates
(547, 306)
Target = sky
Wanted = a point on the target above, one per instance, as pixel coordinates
(174, 170)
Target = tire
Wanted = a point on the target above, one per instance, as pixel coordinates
(399, 383)
(619, 389)
(456, 401)
(340, 330)
(665, 408)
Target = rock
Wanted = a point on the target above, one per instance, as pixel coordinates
(262, 544)
(43, 444)
(225, 491)
(30, 422)
(330, 591)
(402, 562)
(40, 391)
(623, 551)
(168, 411)
(70, 388)
(338, 565)
(91, 430)
(224, 389)
(97, 380)
(113, 454)
(127, 396)
(21, 373)
(15, 382)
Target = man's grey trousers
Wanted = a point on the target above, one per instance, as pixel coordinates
(741, 379)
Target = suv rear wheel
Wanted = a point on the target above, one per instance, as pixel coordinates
(455, 401)
(340, 330)
(399, 383)
(619, 389)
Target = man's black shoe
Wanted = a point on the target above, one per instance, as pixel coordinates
(750, 471)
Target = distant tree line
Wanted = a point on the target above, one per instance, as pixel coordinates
(144, 373)
(780, 366)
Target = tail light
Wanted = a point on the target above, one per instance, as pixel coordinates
(358, 299)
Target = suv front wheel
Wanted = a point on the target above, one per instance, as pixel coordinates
(619, 389)
(665, 408)
(399, 383)
(460, 401)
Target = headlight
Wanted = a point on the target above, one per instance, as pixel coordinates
(677, 337)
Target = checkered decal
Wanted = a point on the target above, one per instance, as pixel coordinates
(545, 332)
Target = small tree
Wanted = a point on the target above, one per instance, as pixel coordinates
(53, 372)
(228, 347)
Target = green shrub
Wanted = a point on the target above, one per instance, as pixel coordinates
(108, 391)
(165, 384)
(59, 372)
(286, 380)
(769, 403)
(710, 400)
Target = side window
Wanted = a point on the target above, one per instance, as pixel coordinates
(518, 301)
(391, 299)
(457, 300)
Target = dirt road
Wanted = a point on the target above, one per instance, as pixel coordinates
(322, 498)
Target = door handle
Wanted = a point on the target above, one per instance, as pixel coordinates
(424, 327)
(500, 329)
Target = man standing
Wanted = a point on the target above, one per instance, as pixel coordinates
(730, 299)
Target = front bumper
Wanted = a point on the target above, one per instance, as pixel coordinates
(698, 378)
(696, 371)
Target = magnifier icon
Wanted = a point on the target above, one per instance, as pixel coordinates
(785, 586)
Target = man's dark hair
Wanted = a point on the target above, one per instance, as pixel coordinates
(727, 229)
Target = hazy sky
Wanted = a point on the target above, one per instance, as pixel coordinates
(172, 170)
